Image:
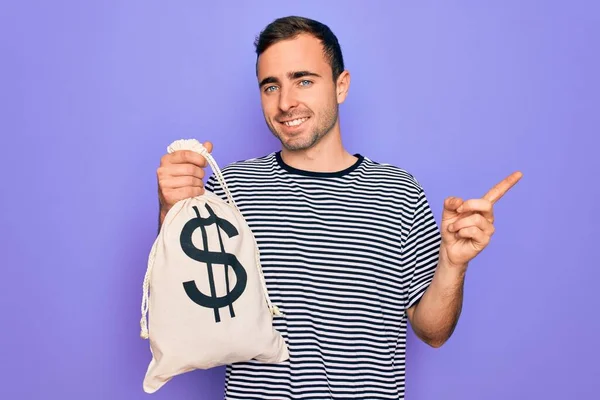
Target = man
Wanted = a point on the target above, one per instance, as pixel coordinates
(349, 247)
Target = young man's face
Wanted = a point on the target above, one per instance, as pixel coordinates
(298, 94)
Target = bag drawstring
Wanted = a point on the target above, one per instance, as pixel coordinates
(194, 145)
(144, 320)
(219, 175)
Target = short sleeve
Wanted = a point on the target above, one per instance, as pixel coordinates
(210, 183)
(421, 248)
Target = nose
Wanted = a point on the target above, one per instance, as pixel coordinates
(287, 99)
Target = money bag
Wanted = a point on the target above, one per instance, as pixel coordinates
(205, 302)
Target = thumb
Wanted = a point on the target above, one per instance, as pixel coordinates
(208, 146)
(452, 203)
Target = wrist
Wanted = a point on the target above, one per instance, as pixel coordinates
(448, 268)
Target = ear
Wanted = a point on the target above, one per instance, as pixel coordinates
(342, 86)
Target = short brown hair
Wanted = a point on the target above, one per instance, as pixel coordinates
(292, 26)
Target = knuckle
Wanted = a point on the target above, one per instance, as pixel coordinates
(191, 156)
(184, 156)
(160, 173)
(164, 159)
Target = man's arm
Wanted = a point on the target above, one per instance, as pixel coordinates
(435, 316)
(466, 229)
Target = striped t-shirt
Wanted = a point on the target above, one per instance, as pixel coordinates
(344, 255)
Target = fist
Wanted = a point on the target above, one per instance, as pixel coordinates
(180, 177)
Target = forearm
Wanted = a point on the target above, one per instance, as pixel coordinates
(436, 315)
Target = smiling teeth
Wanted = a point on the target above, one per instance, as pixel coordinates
(295, 122)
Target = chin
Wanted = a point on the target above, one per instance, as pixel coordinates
(301, 139)
(300, 142)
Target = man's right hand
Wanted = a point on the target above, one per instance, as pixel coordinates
(180, 177)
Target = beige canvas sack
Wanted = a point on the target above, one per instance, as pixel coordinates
(204, 293)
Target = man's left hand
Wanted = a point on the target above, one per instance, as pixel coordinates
(467, 226)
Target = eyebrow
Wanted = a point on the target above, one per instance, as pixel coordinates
(291, 75)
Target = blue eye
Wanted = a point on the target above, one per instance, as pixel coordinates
(268, 88)
(307, 82)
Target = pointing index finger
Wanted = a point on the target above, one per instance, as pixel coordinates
(496, 193)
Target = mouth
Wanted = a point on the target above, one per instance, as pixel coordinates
(294, 123)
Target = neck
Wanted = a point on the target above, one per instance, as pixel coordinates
(327, 155)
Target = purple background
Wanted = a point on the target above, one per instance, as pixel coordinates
(458, 93)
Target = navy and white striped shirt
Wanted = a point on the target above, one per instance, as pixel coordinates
(344, 255)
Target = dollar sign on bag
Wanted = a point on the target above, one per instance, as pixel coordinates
(210, 258)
